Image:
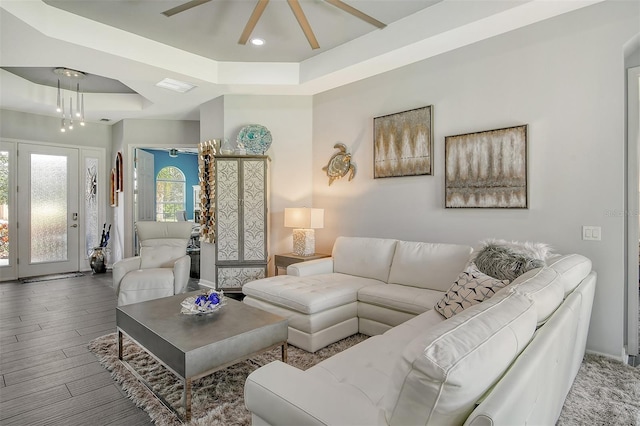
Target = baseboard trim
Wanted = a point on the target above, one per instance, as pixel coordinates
(206, 283)
(617, 358)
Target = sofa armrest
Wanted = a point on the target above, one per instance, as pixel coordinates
(312, 267)
(284, 395)
(181, 272)
(122, 268)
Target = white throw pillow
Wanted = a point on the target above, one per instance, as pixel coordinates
(471, 288)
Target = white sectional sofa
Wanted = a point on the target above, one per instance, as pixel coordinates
(509, 360)
(368, 285)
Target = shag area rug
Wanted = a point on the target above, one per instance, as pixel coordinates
(605, 392)
(217, 399)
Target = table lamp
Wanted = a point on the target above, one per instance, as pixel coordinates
(303, 221)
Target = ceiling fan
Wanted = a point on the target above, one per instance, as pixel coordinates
(295, 8)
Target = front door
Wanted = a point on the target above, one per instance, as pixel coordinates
(48, 222)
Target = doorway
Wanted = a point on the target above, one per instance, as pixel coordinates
(632, 217)
(51, 208)
(147, 163)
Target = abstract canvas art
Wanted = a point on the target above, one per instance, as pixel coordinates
(403, 143)
(487, 169)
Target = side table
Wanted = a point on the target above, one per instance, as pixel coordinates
(284, 260)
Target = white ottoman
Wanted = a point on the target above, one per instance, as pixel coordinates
(321, 309)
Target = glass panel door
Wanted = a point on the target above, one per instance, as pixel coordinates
(48, 210)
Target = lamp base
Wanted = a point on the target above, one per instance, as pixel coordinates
(304, 242)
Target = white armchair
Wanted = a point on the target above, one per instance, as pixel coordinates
(163, 267)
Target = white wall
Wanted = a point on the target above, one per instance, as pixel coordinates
(119, 238)
(289, 119)
(565, 79)
(43, 128)
(211, 127)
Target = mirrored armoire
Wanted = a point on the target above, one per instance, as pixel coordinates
(241, 220)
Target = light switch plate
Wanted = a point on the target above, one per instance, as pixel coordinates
(591, 233)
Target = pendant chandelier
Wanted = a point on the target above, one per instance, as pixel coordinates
(67, 88)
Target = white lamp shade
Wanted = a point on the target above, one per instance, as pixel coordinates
(304, 218)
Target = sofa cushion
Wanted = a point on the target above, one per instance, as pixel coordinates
(572, 267)
(545, 287)
(308, 323)
(365, 368)
(310, 294)
(471, 287)
(428, 265)
(505, 263)
(348, 373)
(445, 370)
(418, 324)
(162, 256)
(402, 298)
(363, 257)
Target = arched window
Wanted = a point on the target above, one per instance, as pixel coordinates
(170, 194)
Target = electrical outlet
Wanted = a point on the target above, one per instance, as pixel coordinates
(591, 233)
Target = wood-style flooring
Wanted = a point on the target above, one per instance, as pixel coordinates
(47, 374)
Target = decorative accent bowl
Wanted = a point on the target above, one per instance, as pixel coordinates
(205, 303)
(255, 138)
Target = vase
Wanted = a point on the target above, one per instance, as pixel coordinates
(96, 260)
(226, 148)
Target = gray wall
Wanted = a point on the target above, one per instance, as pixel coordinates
(564, 78)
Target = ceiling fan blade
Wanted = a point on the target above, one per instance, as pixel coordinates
(304, 24)
(253, 20)
(186, 6)
(355, 12)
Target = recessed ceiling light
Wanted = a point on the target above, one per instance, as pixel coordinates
(257, 41)
(175, 85)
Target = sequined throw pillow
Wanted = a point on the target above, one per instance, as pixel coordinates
(471, 287)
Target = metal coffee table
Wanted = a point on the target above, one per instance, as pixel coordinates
(196, 346)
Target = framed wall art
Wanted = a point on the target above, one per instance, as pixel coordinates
(403, 143)
(487, 169)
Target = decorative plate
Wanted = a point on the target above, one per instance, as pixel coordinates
(255, 138)
(206, 303)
